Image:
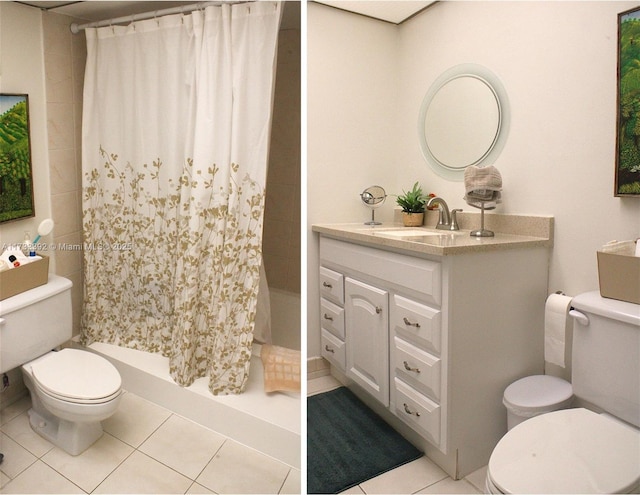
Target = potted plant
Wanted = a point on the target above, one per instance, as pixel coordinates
(412, 204)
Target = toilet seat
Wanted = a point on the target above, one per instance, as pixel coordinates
(567, 451)
(76, 376)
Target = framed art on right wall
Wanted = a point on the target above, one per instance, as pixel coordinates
(627, 173)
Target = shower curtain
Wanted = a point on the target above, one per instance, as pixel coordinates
(176, 126)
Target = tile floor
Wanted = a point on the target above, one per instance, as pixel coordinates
(145, 449)
(419, 476)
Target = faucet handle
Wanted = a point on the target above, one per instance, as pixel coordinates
(454, 219)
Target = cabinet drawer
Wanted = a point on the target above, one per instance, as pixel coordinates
(417, 367)
(332, 318)
(332, 285)
(418, 321)
(419, 412)
(333, 350)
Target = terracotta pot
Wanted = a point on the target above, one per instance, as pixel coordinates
(412, 219)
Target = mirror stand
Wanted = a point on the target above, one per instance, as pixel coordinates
(482, 232)
(373, 197)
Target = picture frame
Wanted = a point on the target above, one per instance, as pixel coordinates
(627, 171)
(16, 177)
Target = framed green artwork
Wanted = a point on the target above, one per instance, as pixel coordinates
(627, 173)
(16, 180)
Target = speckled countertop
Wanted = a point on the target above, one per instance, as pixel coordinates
(516, 231)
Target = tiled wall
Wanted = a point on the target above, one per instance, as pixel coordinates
(64, 56)
(281, 237)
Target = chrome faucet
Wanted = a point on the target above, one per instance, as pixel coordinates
(446, 220)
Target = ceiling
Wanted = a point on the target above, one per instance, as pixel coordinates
(99, 10)
(393, 11)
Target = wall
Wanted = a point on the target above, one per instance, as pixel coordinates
(351, 100)
(64, 56)
(22, 70)
(281, 239)
(557, 61)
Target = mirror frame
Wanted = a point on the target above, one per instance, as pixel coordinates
(504, 118)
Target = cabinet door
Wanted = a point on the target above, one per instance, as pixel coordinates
(367, 333)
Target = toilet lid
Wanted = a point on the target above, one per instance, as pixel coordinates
(567, 451)
(76, 375)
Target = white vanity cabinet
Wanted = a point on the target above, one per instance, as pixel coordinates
(366, 313)
(332, 317)
(430, 342)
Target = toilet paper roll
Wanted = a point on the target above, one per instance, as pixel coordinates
(556, 319)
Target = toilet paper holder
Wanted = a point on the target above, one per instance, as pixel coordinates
(576, 315)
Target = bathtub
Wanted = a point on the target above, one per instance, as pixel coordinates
(269, 423)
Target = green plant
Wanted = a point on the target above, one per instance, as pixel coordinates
(412, 201)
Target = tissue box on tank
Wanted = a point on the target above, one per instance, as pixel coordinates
(24, 277)
(619, 276)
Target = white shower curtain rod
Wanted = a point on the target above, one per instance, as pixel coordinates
(183, 9)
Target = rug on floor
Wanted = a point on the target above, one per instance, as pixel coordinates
(347, 443)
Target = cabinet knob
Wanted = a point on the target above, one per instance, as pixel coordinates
(409, 411)
(327, 285)
(327, 317)
(329, 349)
(378, 310)
(409, 324)
(409, 368)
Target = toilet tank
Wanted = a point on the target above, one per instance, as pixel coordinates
(34, 322)
(606, 355)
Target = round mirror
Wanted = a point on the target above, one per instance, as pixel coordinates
(373, 197)
(463, 120)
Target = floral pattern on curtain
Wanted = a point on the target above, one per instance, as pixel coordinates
(175, 138)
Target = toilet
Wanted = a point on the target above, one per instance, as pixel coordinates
(72, 391)
(591, 449)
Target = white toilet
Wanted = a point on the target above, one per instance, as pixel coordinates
(72, 391)
(579, 450)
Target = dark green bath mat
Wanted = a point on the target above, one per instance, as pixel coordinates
(347, 443)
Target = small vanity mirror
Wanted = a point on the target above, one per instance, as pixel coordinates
(373, 197)
(464, 120)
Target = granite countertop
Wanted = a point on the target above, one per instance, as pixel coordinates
(539, 233)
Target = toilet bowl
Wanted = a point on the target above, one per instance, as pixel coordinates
(72, 391)
(579, 450)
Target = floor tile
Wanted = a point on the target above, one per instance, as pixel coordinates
(16, 458)
(478, 479)
(449, 486)
(293, 482)
(354, 490)
(19, 429)
(141, 474)
(408, 478)
(135, 420)
(196, 488)
(15, 409)
(322, 384)
(239, 469)
(92, 466)
(183, 445)
(40, 478)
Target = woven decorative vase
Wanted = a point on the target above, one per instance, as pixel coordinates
(412, 219)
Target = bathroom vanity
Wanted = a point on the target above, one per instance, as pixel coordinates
(429, 327)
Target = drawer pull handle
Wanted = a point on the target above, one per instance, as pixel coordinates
(327, 317)
(409, 324)
(409, 411)
(327, 285)
(409, 368)
(378, 310)
(329, 349)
